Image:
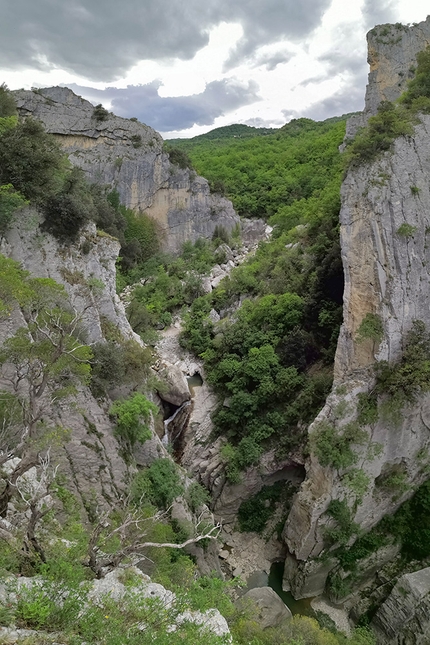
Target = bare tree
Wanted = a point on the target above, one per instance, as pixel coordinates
(34, 496)
(42, 363)
(131, 533)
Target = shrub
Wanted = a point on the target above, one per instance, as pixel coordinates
(221, 234)
(404, 380)
(367, 409)
(10, 202)
(68, 210)
(340, 512)
(370, 328)
(179, 158)
(406, 230)
(7, 102)
(100, 113)
(160, 484)
(334, 448)
(357, 481)
(136, 140)
(419, 87)
(196, 496)
(130, 416)
(390, 122)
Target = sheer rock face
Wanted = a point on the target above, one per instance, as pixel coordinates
(128, 156)
(86, 269)
(405, 615)
(387, 274)
(90, 459)
(392, 55)
(385, 229)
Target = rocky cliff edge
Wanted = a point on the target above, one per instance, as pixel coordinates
(128, 156)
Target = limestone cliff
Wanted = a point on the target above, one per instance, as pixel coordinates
(385, 226)
(405, 617)
(392, 57)
(128, 156)
(90, 459)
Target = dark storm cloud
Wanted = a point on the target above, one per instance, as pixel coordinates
(271, 61)
(349, 99)
(177, 112)
(272, 21)
(378, 13)
(102, 40)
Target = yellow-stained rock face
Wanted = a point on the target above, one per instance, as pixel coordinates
(128, 157)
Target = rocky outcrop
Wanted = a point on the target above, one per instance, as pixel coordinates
(385, 226)
(405, 615)
(118, 586)
(392, 55)
(268, 608)
(86, 269)
(128, 156)
(89, 458)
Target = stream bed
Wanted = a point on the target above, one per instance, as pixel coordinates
(274, 580)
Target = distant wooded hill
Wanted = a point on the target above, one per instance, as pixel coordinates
(265, 171)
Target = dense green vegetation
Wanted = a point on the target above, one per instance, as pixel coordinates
(270, 360)
(255, 513)
(263, 175)
(237, 130)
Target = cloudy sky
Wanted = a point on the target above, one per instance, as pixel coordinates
(185, 67)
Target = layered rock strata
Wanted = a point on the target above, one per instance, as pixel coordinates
(128, 156)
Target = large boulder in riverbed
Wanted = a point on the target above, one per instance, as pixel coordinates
(176, 390)
(270, 610)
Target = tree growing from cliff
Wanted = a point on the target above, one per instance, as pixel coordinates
(42, 363)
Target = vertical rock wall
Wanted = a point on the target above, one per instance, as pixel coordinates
(387, 273)
(128, 156)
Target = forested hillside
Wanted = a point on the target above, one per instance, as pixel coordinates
(266, 173)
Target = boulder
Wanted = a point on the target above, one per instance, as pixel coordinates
(270, 610)
(211, 619)
(177, 391)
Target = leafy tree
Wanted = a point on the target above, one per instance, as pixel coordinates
(131, 417)
(43, 362)
(70, 208)
(7, 102)
(31, 160)
(159, 483)
(10, 201)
